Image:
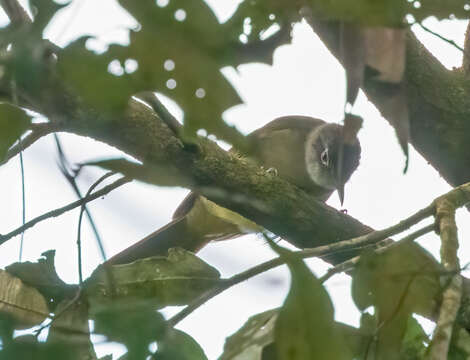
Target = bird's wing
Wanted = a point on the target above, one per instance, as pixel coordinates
(285, 122)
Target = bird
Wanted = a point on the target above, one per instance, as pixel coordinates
(306, 151)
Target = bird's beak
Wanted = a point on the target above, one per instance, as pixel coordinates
(340, 189)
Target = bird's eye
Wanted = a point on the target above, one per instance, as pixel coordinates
(324, 157)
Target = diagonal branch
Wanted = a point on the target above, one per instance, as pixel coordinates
(452, 295)
(57, 212)
(15, 12)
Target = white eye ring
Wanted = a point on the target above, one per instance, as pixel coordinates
(324, 158)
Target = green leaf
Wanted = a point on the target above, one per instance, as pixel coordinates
(305, 327)
(27, 348)
(397, 284)
(87, 73)
(43, 276)
(158, 281)
(250, 340)
(188, 71)
(414, 341)
(135, 326)
(179, 345)
(13, 123)
(71, 329)
(161, 175)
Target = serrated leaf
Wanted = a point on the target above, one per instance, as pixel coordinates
(159, 281)
(161, 175)
(250, 340)
(87, 73)
(305, 327)
(22, 303)
(188, 71)
(178, 345)
(13, 123)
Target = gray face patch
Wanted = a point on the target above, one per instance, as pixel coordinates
(320, 174)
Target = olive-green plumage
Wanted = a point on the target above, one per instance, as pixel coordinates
(305, 151)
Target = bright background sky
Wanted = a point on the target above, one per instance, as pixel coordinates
(304, 80)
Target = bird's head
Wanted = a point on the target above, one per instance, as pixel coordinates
(329, 162)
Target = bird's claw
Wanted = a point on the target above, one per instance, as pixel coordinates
(272, 171)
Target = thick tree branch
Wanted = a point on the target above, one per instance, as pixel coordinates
(466, 54)
(438, 101)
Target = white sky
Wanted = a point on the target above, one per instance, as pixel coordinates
(305, 79)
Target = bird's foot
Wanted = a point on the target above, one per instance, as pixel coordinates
(272, 171)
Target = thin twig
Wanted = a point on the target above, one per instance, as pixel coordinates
(268, 265)
(451, 42)
(23, 201)
(79, 232)
(14, 94)
(37, 332)
(351, 263)
(57, 212)
(70, 175)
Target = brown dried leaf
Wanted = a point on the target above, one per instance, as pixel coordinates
(385, 51)
(23, 303)
(352, 55)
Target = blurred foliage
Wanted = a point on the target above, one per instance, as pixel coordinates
(305, 327)
(159, 281)
(179, 345)
(397, 286)
(161, 175)
(135, 326)
(22, 303)
(43, 276)
(179, 50)
(13, 123)
(250, 340)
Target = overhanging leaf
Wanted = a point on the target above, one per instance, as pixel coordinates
(161, 175)
(87, 73)
(159, 281)
(352, 53)
(397, 285)
(43, 276)
(119, 322)
(178, 345)
(385, 52)
(13, 123)
(70, 328)
(188, 71)
(305, 327)
(250, 340)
